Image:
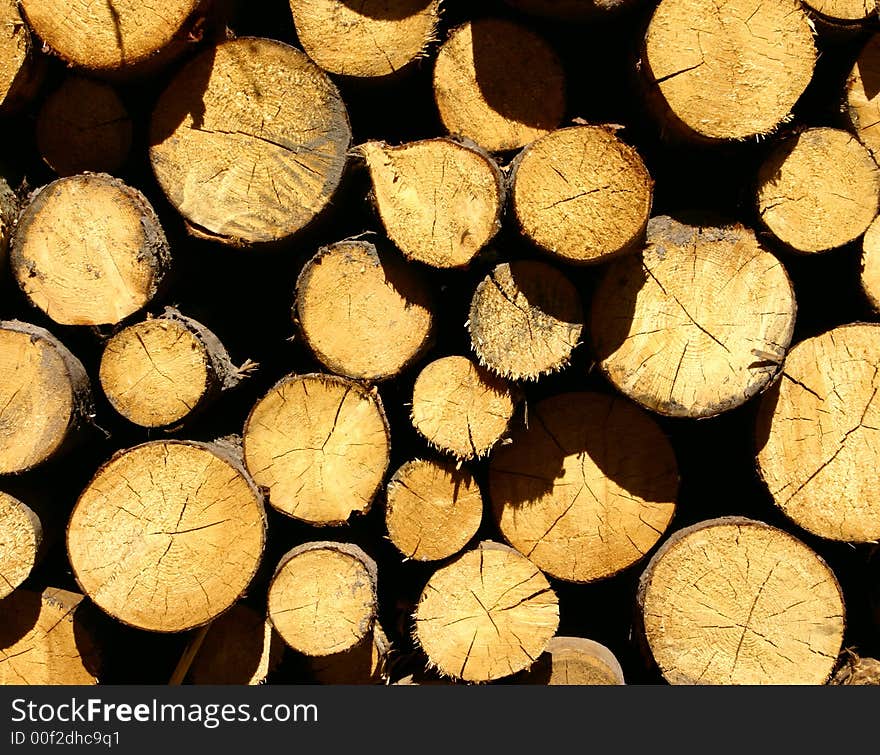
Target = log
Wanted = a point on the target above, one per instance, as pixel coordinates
(696, 324)
(21, 71)
(47, 638)
(159, 372)
(862, 98)
(818, 190)
(168, 535)
(370, 39)
(587, 489)
(575, 661)
(364, 313)
(21, 541)
(870, 277)
(581, 194)
(440, 201)
(365, 663)
(89, 250)
(499, 84)
(843, 14)
(84, 126)
(322, 599)
(858, 671)
(242, 155)
(320, 446)
(432, 509)
(525, 320)
(817, 435)
(488, 614)
(45, 395)
(726, 72)
(736, 601)
(9, 209)
(461, 408)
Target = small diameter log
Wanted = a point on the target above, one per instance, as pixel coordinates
(239, 648)
(20, 71)
(47, 639)
(364, 314)
(488, 614)
(45, 395)
(862, 97)
(735, 601)
(439, 201)
(818, 432)
(158, 372)
(696, 324)
(525, 320)
(575, 661)
(818, 190)
(372, 38)
(167, 535)
(320, 446)
(587, 489)
(89, 250)
(461, 408)
(83, 126)
(432, 510)
(365, 663)
(21, 538)
(858, 671)
(499, 84)
(322, 599)
(243, 155)
(729, 71)
(582, 194)
(844, 13)
(871, 264)
(9, 208)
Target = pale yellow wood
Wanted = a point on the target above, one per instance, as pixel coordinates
(862, 105)
(577, 661)
(365, 663)
(21, 535)
(871, 264)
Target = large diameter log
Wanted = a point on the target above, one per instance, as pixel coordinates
(89, 250)
(729, 71)
(21, 539)
(818, 190)
(871, 264)
(498, 84)
(587, 489)
(45, 395)
(575, 661)
(243, 155)
(862, 97)
(818, 432)
(20, 70)
(368, 39)
(735, 601)
(167, 535)
(696, 324)
(320, 446)
(488, 614)
(47, 638)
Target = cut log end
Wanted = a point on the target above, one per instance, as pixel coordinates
(439, 201)
(365, 663)
(817, 435)
(818, 190)
(20, 72)
(21, 536)
(871, 264)
(575, 661)
(322, 599)
(167, 535)
(735, 601)
(846, 13)
(584, 506)
(862, 106)
(698, 323)
(320, 446)
(487, 615)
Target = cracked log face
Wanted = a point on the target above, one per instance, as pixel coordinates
(575, 661)
(322, 599)
(460, 407)
(371, 38)
(727, 71)
(696, 324)
(17, 69)
(21, 535)
(735, 601)
(488, 614)
(89, 250)
(432, 509)
(364, 314)
(320, 446)
(818, 190)
(46, 638)
(525, 320)
(249, 141)
(167, 536)
(365, 663)
(107, 35)
(587, 489)
(844, 12)
(862, 106)
(582, 194)
(871, 264)
(498, 84)
(439, 201)
(818, 435)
